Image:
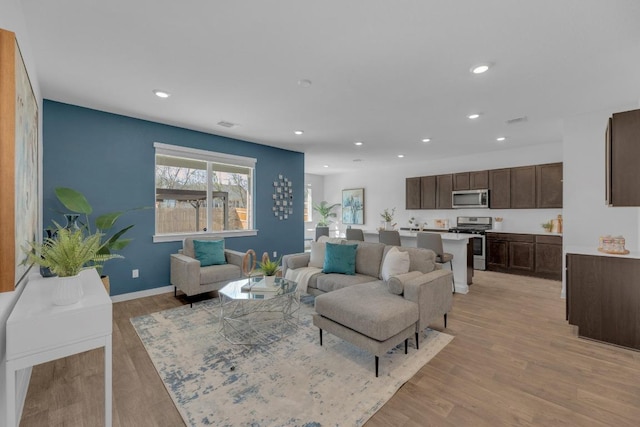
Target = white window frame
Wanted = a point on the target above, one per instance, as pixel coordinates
(215, 157)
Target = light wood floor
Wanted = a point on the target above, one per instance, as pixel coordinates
(514, 361)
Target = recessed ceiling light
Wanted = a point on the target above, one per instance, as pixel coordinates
(500, 138)
(473, 116)
(480, 68)
(161, 94)
(299, 132)
(325, 166)
(426, 140)
(400, 156)
(358, 143)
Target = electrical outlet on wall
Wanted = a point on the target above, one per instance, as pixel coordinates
(275, 254)
(135, 273)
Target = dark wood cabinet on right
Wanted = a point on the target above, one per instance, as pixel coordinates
(526, 254)
(603, 298)
(622, 179)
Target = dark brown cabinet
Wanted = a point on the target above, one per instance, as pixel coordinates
(549, 257)
(444, 187)
(526, 254)
(603, 298)
(500, 188)
(412, 193)
(461, 181)
(428, 192)
(523, 187)
(549, 185)
(479, 180)
(521, 253)
(622, 154)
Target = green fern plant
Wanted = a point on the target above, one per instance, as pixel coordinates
(325, 210)
(268, 267)
(69, 252)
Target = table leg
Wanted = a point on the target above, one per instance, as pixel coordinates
(10, 393)
(108, 378)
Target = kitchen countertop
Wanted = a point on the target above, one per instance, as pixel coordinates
(538, 233)
(413, 234)
(593, 250)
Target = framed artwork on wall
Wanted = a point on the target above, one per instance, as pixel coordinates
(353, 206)
(19, 173)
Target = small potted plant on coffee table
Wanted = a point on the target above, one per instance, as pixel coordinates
(269, 268)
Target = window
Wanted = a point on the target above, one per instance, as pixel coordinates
(308, 205)
(200, 191)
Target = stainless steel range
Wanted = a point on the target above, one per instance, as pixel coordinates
(477, 225)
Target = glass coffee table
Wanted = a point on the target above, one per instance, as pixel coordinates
(253, 316)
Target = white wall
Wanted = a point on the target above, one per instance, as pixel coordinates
(386, 188)
(585, 213)
(12, 19)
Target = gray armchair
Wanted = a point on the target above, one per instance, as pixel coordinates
(192, 279)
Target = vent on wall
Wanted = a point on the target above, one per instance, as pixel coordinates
(517, 120)
(225, 124)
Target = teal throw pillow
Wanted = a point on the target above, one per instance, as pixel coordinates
(340, 259)
(209, 252)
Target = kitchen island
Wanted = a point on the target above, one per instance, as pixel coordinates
(453, 243)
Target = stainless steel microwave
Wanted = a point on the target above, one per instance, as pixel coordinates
(470, 199)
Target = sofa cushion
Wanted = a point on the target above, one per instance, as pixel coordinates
(369, 258)
(332, 282)
(395, 262)
(219, 273)
(420, 259)
(369, 309)
(396, 283)
(209, 252)
(334, 240)
(340, 259)
(317, 254)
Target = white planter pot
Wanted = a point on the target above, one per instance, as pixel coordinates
(67, 290)
(270, 280)
(388, 226)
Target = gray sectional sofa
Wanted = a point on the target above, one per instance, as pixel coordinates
(372, 313)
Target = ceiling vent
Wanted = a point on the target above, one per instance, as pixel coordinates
(517, 120)
(225, 124)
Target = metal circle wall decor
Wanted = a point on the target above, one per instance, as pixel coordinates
(282, 198)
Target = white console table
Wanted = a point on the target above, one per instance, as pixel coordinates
(38, 332)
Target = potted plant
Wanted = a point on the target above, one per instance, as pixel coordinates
(387, 216)
(77, 203)
(66, 254)
(269, 269)
(325, 210)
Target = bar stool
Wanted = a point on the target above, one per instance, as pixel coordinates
(355, 234)
(389, 237)
(433, 241)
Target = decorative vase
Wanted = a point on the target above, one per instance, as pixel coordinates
(67, 290)
(497, 225)
(388, 226)
(72, 221)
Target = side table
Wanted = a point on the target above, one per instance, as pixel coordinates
(38, 332)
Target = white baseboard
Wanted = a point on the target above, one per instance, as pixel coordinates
(142, 294)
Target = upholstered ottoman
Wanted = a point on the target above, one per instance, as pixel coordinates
(368, 316)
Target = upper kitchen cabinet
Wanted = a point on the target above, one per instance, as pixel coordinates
(622, 154)
(444, 187)
(523, 187)
(500, 188)
(412, 193)
(428, 192)
(478, 180)
(549, 185)
(461, 181)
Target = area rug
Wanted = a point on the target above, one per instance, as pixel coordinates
(290, 382)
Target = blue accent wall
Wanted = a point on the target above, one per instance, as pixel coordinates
(110, 159)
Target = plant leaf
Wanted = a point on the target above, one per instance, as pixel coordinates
(73, 200)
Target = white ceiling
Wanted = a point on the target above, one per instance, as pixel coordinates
(387, 73)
